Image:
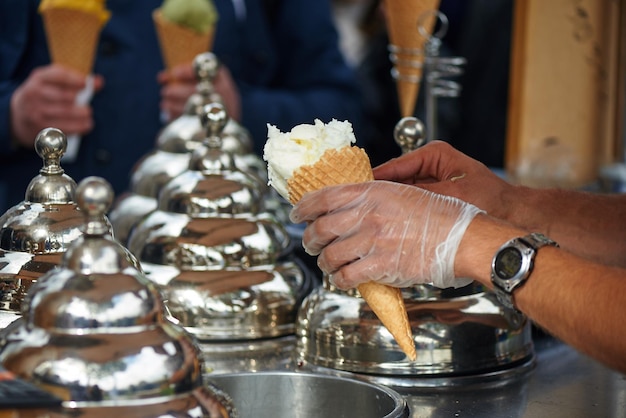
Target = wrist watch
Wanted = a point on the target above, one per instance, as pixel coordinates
(513, 263)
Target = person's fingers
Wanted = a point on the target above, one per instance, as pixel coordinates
(360, 271)
(52, 94)
(184, 73)
(73, 122)
(341, 252)
(174, 96)
(98, 82)
(164, 77)
(427, 164)
(61, 76)
(327, 228)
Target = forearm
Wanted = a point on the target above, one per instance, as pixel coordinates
(572, 298)
(587, 224)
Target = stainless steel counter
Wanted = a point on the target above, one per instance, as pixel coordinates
(563, 383)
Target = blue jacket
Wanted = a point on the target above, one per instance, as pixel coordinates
(283, 55)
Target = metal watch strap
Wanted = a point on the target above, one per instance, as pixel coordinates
(538, 240)
(534, 240)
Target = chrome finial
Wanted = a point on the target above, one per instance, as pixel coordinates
(52, 185)
(410, 134)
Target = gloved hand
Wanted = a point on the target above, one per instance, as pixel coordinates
(382, 231)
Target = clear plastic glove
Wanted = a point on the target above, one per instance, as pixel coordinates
(382, 231)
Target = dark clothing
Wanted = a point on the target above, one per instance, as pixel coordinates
(285, 61)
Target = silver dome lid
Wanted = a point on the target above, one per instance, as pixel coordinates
(210, 216)
(48, 220)
(213, 184)
(160, 166)
(37, 231)
(94, 331)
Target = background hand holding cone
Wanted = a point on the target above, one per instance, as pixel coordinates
(72, 33)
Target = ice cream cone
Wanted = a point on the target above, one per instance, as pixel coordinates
(180, 45)
(337, 166)
(72, 37)
(352, 165)
(403, 21)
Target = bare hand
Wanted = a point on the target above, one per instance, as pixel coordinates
(176, 87)
(48, 99)
(440, 168)
(180, 83)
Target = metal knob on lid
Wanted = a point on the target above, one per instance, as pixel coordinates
(95, 333)
(52, 185)
(409, 133)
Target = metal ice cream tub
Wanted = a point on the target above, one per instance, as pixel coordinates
(294, 394)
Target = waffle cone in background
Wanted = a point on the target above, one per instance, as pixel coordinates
(403, 18)
(72, 37)
(352, 165)
(180, 45)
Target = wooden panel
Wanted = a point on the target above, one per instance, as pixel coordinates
(566, 91)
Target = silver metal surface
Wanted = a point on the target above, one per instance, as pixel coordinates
(559, 383)
(186, 133)
(251, 355)
(456, 332)
(95, 333)
(221, 260)
(155, 171)
(289, 394)
(409, 134)
(563, 384)
(201, 244)
(437, 71)
(236, 304)
(37, 231)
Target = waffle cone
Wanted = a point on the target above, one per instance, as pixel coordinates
(352, 165)
(72, 37)
(178, 44)
(403, 18)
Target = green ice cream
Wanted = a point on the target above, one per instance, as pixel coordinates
(197, 15)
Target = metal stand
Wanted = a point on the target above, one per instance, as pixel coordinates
(436, 70)
(411, 64)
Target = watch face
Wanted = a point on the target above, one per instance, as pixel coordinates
(508, 263)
